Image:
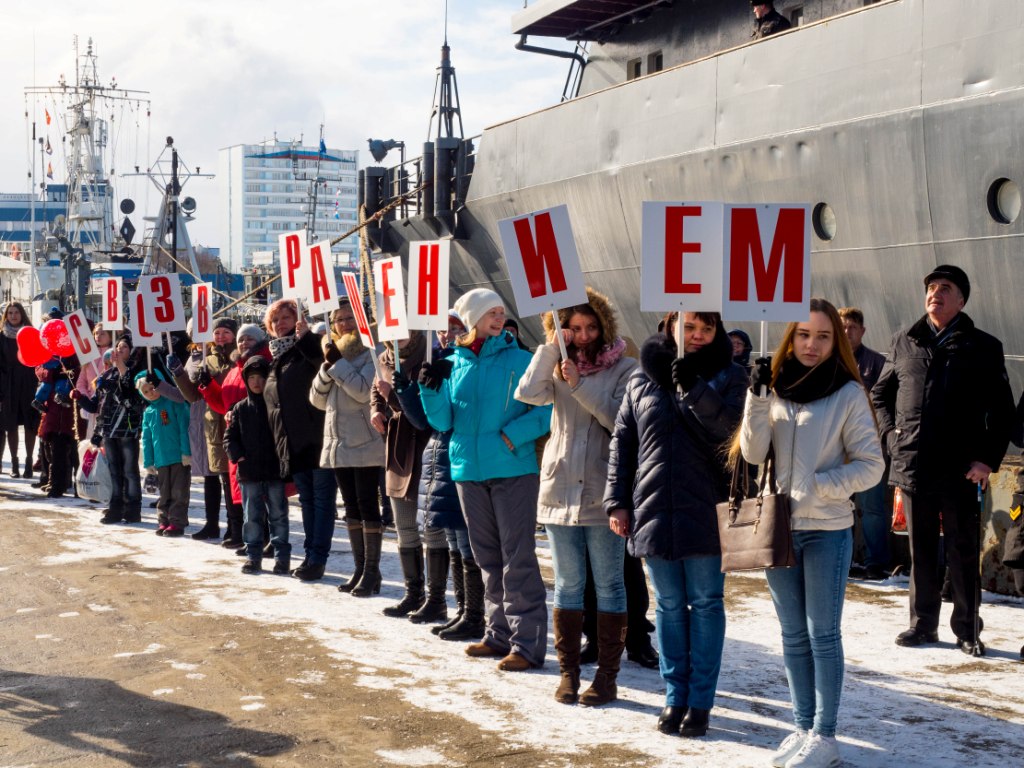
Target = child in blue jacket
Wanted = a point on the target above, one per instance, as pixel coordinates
(165, 447)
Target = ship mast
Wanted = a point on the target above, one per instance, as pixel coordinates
(89, 220)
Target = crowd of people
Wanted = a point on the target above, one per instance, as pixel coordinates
(619, 453)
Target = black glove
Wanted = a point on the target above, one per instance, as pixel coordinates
(62, 400)
(175, 366)
(684, 372)
(203, 379)
(432, 375)
(96, 439)
(761, 376)
(331, 353)
(400, 382)
(153, 379)
(39, 406)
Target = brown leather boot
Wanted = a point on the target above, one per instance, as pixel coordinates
(568, 632)
(611, 640)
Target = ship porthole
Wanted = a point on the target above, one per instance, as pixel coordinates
(824, 221)
(1004, 201)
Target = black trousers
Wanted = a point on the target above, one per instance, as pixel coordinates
(359, 493)
(57, 459)
(960, 512)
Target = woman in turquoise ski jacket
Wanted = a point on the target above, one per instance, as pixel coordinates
(494, 465)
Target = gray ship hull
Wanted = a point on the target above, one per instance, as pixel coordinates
(900, 117)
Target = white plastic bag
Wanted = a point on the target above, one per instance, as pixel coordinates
(93, 478)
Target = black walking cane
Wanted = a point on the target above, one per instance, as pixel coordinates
(978, 649)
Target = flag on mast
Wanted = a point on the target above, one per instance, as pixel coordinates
(49, 149)
(47, 113)
(49, 170)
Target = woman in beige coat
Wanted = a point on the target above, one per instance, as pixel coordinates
(352, 447)
(586, 390)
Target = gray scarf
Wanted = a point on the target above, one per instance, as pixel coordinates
(10, 331)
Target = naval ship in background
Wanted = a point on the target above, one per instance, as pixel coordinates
(898, 121)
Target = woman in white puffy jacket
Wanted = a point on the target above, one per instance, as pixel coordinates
(811, 406)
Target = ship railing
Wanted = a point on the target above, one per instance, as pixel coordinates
(433, 186)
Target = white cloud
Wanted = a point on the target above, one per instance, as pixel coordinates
(237, 72)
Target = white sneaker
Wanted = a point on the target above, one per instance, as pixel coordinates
(788, 748)
(816, 752)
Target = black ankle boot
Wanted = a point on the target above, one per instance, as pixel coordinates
(208, 531)
(411, 559)
(695, 723)
(471, 626)
(670, 719)
(435, 607)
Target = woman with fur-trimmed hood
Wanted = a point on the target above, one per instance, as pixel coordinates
(586, 390)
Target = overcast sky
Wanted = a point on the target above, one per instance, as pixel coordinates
(232, 72)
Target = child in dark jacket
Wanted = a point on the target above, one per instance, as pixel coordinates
(166, 448)
(249, 442)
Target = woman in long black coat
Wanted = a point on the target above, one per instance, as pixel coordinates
(17, 388)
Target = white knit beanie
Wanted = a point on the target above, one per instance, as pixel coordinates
(475, 304)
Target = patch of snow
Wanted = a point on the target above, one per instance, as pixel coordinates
(422, 756)
(148, 651)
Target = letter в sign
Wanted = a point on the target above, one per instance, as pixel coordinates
(113, 304)
(542, 260)
(202, 325)
(681, 257)
(85, 346)
(768, 268)
(392, 323)
(429, 262)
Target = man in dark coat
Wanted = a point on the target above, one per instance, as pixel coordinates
(945, 412)
(874, 520)
(767, 21)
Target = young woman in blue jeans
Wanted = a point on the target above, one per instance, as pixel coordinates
(585, 390)
(666, 473)
(809, 403)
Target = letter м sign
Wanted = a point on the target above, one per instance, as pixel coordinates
(542, 261)
(768, 263)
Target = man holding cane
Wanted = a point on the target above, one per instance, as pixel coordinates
(944, 413)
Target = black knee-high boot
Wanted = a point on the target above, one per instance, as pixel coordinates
(211, 501)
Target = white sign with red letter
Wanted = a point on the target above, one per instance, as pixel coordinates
(112, 316)
(355, 299)
(157, 308)
(682, 257)
(542, 261)
(392, 323)
(320, 284)
(767, 262)
(294, 279)
(202, 313)
(429, 262)
(81, 339)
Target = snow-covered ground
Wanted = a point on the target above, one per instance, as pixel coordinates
(932, 706)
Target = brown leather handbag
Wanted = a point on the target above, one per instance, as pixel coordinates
(754, 532)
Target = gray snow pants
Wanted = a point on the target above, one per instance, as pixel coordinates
(502, 518)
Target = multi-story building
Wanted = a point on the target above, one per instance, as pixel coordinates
(282, 186)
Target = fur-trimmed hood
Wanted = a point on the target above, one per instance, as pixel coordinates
(602, 307)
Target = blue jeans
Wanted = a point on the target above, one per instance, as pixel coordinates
(126, 486)
(875, 523)
(569, 547)
(809, 602)
(318, 497)
(690, 622)
(458, 540)
(261, 502)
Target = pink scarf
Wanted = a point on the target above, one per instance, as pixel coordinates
(609, 355)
